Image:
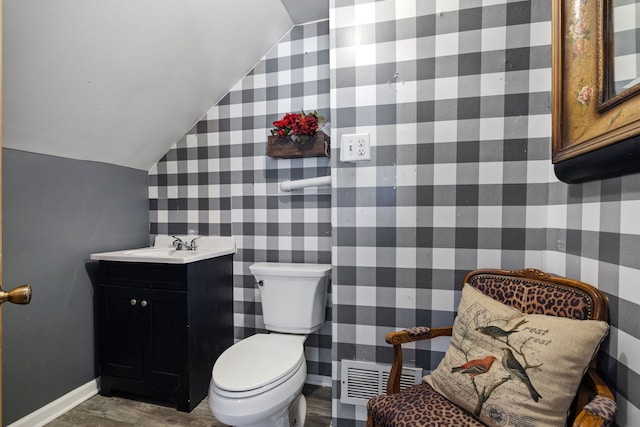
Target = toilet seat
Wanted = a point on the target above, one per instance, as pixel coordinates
(257, 364)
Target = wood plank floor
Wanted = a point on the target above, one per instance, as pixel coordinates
(116, 411)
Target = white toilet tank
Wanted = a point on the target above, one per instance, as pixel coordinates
(294, 295)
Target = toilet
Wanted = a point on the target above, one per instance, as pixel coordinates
(258, 381)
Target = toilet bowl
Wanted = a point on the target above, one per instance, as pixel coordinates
(255, 381)
(258, 381)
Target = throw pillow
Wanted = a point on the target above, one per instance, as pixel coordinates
(514, 369)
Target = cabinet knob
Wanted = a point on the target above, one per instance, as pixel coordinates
(143, 303)
(133, 301)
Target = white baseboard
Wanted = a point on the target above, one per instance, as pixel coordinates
(59, 406)
(320, 380)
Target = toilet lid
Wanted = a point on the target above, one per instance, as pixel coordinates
(257, 361)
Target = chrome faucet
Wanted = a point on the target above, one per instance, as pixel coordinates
(180, 244)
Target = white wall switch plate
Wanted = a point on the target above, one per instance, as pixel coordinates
(355, 147)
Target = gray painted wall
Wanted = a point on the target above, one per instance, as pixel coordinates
(56, 212)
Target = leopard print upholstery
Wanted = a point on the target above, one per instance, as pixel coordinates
(535, 297)
(418, 331)
(603, 407)
(419, 405)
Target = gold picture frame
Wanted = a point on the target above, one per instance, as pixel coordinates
(593, 137)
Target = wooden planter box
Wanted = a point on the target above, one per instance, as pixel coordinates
(284, 148)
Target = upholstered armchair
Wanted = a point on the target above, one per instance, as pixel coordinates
(523, 352)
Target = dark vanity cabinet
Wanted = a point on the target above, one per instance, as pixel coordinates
(160, 327)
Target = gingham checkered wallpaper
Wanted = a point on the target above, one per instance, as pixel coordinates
(218, 180)
(456, 97)
(626, 16)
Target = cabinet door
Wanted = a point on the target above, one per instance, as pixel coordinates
(120, 335)
(165, 336)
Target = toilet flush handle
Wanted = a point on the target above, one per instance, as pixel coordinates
(260, 283)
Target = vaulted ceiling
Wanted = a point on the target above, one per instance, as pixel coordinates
(120, 81)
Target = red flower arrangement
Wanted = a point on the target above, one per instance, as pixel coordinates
(298, 126)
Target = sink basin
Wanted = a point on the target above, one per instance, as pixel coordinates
(164, 252)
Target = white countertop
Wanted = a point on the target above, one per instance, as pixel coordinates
(163, 252)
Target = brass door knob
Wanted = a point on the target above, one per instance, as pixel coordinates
(19, 295)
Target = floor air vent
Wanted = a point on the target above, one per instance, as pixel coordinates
(363, 380)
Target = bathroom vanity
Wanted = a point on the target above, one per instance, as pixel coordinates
(161, 323)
